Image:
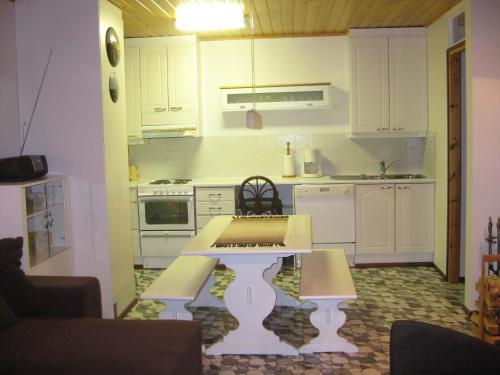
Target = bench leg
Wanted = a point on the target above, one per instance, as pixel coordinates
(205, 298)
(282, 299)
(328, 319)
(175, 310)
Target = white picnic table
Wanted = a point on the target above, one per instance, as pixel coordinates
(250, 298)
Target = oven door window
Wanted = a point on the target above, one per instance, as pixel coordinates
(166, 212)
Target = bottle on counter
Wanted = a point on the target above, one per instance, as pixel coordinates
(288, 162)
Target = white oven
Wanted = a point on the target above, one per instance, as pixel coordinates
(166, 212)
(166, 220)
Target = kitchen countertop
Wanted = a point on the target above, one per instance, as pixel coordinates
(279, 180)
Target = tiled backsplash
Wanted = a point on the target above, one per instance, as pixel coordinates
(263, 155)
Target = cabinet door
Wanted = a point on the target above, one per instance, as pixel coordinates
(132, 90)
(154, 92)
(414, 217)
(182, 77)
(370, 91)
(408, 84)
(375, 218)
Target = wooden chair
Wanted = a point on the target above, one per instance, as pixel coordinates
(258, 195)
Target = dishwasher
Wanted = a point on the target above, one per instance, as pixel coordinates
(331, 207)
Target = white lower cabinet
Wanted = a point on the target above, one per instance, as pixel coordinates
(414, 217)
(394, 223)
(375, 218)
(136, 239)
(213, 201)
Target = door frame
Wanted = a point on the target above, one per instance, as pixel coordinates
(454, 151)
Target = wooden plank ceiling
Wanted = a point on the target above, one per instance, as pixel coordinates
(279, 18)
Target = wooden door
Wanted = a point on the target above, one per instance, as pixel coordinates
(454, 162)
(370, 87)
(414, 217)
(375, 218)
(408, 84)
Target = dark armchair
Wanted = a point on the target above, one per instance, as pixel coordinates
(65, 335)
(425, 349)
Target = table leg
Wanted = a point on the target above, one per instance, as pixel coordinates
(282, 299)
(328, 319)
(250, 298)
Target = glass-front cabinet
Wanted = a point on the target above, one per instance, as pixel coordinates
(45, 220)
(276, 97)
(37, 210)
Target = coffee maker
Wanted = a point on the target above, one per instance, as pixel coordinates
(311, 167)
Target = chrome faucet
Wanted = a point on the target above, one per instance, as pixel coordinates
(384, 167)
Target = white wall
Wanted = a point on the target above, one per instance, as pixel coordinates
(67, 126)
(437, 43)
(9, 119)
(277, 61)
(116, 166)
(483, 96)
(239, 156)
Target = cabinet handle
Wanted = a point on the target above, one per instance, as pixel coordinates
(398, 129)
(382, 129)
(309, 104)
(160, 109)
(214, 194)
(243, 106)
(386, 187)
(403, 187)
(175, 109)
(214, 209)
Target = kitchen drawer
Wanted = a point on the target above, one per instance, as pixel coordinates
(215, 195)
(209, 208)
(201, 221)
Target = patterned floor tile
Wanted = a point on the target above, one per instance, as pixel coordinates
(384, 295)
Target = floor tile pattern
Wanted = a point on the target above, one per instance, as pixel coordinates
(384, 295)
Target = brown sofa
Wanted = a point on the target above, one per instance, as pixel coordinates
(65, 334)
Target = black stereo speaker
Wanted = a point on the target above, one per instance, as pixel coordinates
(22, 168)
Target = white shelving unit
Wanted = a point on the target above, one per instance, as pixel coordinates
(38, 211)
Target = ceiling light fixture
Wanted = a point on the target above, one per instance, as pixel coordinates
(254, 119)
(207, 16)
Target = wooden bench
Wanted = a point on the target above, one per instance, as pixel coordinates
(325, 280)
(187, 279)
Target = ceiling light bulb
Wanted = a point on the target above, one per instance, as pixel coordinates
(203, 16)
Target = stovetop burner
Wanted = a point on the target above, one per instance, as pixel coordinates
(178, 181)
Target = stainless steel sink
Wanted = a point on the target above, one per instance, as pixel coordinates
(406, 176)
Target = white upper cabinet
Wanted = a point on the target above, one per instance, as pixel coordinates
(370, 84)
(154, 89)
(133, 94)
(182, 88)
(408, 84)
(389, 82)
(168, 82)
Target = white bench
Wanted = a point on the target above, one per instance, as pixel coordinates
(187, 278)
(325, 279)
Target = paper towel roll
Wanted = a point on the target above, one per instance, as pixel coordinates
(288, 166)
